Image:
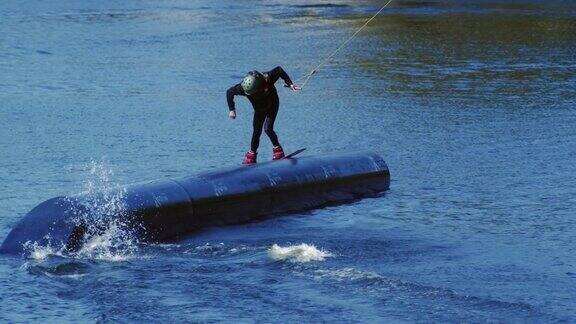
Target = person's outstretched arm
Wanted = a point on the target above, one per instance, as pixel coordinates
(230, 93)
(277, 73)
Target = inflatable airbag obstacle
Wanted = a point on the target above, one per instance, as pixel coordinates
(165, 209)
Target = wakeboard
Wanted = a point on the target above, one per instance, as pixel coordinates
(293, 154)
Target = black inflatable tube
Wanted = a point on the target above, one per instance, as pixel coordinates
(162, 210)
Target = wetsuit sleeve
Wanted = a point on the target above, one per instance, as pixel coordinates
(277, 73)
(231, 92)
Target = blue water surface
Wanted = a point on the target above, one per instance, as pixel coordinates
(471, 103)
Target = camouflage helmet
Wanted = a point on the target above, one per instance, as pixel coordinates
(253, 82)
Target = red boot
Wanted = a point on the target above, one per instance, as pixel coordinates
(277, 153)
(250, 158)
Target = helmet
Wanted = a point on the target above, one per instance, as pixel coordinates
(253, 82)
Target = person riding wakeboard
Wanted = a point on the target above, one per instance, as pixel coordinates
(260, 90)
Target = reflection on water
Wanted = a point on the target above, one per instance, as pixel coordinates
(507, 49)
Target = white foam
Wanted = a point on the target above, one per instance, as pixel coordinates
(115, 244)
(209, 247)
(345, 274)
(40, 252)
(298, 253)
(76, 276)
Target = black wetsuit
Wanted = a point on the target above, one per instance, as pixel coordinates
(265, 104)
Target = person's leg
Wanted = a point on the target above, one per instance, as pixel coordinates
(257, 124)
(269, 125)
(277, 151)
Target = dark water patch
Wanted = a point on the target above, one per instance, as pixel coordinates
(556, 7)
(412, 4)
(105, 17)
(84, 16)
(59, 268)
(143, 41)
(392, 292)
(324, 11)
(322, 5)
(43, 52)
(49, 87)
(391, 250)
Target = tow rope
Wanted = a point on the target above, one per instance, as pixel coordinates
(306, 77)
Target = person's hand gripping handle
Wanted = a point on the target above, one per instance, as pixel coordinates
(293, 87)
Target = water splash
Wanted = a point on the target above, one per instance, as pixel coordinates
(102, 195)
(109, 237)
(298, 253)
(102, 213)
(115, 244)
(40, 252)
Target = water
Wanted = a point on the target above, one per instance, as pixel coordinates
(470, 102)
